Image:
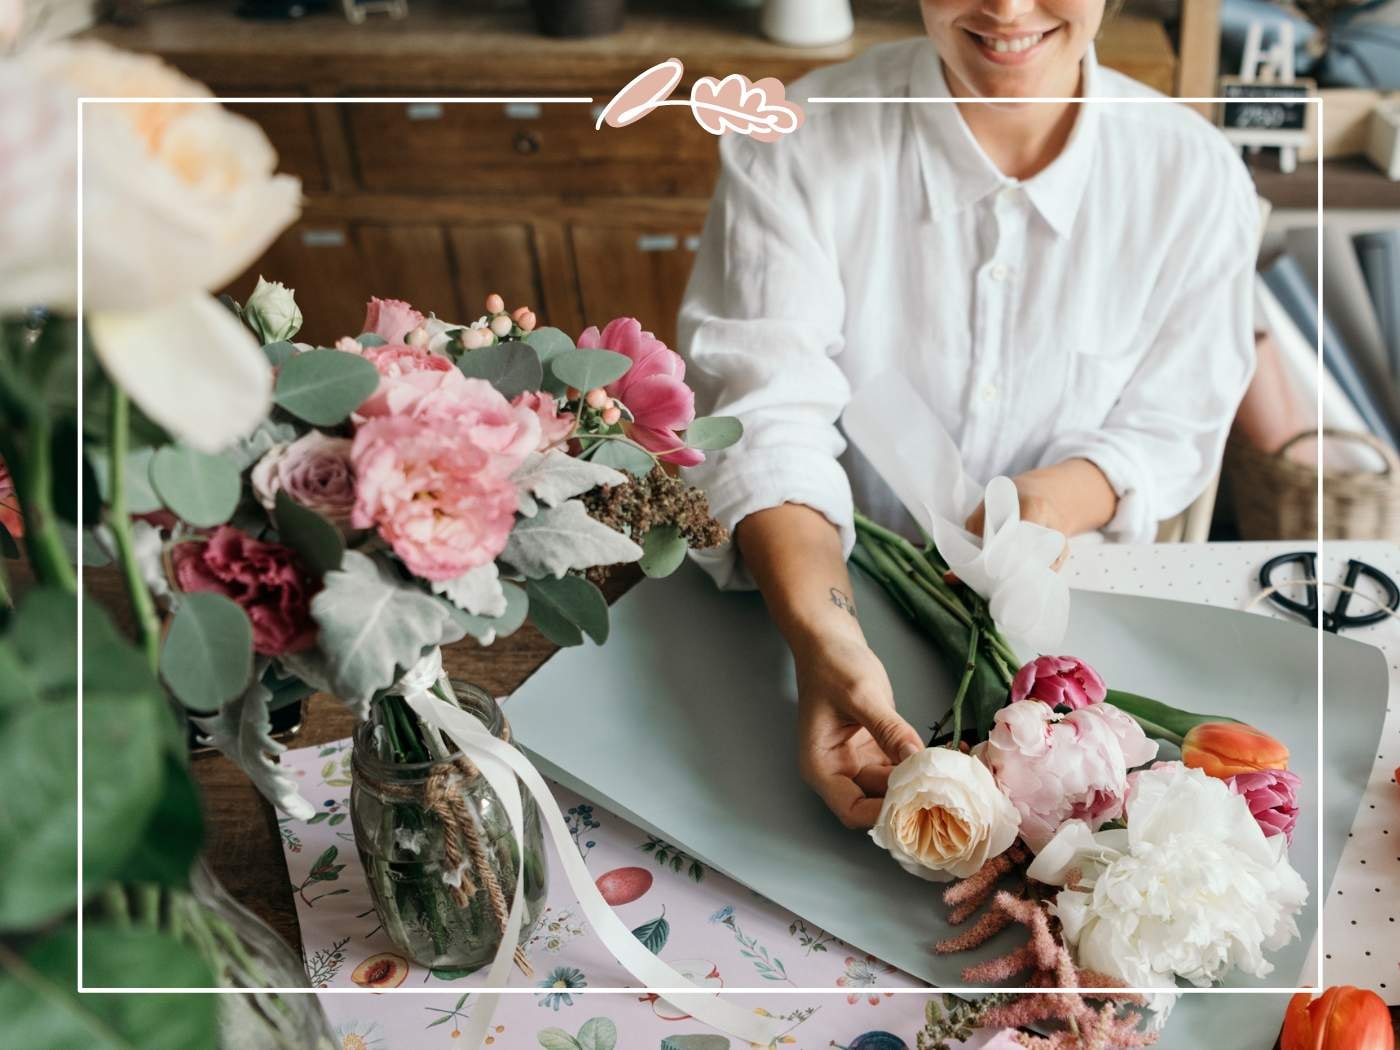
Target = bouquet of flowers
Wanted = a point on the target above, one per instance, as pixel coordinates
(416, 483)
(1135, 872)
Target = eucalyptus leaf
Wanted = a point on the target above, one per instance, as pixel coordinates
(487, 629)
(561, 538)
(200, 488)
(279, 353)
(242, 731)
(555, 476)
(43, 1002)
(586, 370)
(316, 541)
(370, 339)
(549, 343)
(207, 658)
(512, 368)
(624, 455)
(710, 433)
(564, 608)
(324, 386)
(246, 451)
(141, 498)
(663, 551)
(373, 624)
(556, 1039)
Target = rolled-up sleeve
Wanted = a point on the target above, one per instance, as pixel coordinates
(760, 324)
(1163, 439)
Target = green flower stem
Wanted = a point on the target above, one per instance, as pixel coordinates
(33, 478)
(148, 904)
(119, 521)
(961, 694)
(5, 601)
(1171, 721)
(1153, 730)
(114, 904)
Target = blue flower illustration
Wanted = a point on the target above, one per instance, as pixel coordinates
(724, 914)
(562, 977)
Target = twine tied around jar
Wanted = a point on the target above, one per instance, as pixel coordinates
(443, 795)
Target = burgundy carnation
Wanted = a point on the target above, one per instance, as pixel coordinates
(267, 580)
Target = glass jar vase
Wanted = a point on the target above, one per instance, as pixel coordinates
(436, 842)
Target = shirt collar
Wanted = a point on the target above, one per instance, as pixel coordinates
(958, 173)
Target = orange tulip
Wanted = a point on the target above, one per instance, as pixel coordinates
(1344, 1018)
(1223, 749)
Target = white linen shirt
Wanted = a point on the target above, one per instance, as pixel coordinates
(1101, 309)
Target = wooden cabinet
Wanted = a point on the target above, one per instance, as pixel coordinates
(635, 271)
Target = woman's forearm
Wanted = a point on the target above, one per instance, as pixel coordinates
(794, 554)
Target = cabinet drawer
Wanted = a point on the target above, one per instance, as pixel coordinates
(289, 126)
(492, 147)
(635, 271)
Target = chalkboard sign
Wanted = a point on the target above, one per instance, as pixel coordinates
(1260, 115)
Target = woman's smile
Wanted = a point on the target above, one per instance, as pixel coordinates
(1010, 48)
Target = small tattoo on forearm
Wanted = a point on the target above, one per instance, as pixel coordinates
(842, 601)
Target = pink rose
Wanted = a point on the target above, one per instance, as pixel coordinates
(444, 503)
(390, 319)
(653, 389)
(1056, 768)
(555, 426)
(315, 471)
(266, 580)
(1272, 795)
(1060, 681)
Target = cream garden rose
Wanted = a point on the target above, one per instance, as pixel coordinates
(944, 816)
(179, 197)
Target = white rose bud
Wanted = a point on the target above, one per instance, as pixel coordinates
(944, 816)
(272, 312)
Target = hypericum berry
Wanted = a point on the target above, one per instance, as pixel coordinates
(475, 338)
(495, 304)
(598, 398)
(611, 414)
(501, 325)
(527, 321)
(417, 337)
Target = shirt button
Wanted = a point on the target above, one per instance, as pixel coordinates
(990, 392)
(1000, 272)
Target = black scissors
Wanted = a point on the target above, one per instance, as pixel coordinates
(1338, 619)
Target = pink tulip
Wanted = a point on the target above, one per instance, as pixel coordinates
(653, 389)
(1060, 681)
(1272, 795)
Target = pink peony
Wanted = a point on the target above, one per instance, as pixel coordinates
(653, 389)
(1060, 681)
(266, 579)
(1272, 795)
(315, 471)
(10, 515)
(391, 319)
(1056, 768)
(555, 426)
(443, 502)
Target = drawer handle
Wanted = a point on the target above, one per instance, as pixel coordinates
(657, 242)
(527, 143)
(323, 238)
(423, 111)
(523, 110)
(692, 243)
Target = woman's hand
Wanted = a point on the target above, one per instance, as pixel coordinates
(849, 735)
(1069, 497)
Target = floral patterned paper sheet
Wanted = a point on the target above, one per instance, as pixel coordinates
(701, 922)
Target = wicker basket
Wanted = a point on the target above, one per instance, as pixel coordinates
(1276, 498)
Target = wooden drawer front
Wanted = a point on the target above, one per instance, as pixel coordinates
(634, 272)
(526, 148)
(496, 258)
(289, 126)
(335, 267)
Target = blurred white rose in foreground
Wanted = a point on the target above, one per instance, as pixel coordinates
(178, 199)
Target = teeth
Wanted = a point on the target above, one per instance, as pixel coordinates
(1020, 43)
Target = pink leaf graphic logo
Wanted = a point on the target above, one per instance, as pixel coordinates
(643, 94)
(759, 110)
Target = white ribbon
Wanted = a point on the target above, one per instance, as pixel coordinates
(1012, 564)
(501, 764)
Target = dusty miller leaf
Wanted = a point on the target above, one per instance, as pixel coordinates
(241, 730)
(561, 538)
(554, 476)
(478, 591)
(373, 624)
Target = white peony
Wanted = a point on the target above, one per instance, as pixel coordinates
(1190, 889)
(944, 816)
